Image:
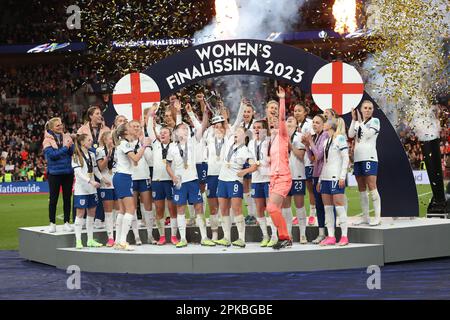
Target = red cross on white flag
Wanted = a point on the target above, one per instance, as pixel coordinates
(133, 93)
(337, 85)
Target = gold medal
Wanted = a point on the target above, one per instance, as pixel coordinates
(258, 163)
(164, 161)
(228, 165)
(186, 166)
(95, 145)
(90, 174)
(110, 172)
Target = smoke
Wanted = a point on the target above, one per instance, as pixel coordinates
(247, 19)
(406, 76)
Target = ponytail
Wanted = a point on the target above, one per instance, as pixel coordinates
(119, 133)
(340, 128)
(77, 155)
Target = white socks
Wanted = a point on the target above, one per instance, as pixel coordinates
(312, 210)
(301, 217)
(115, 213)
(232, 216)
(181, 219)
(149, 217)
(90, 227)
(126, 224)
(214, 220)
(287, 214)
(109, 223)
(251, 207)
(263, 225)
(226, 227)
(322, 232)
(272, 228)
(329, 220)
(364, 199)
(134, 226)
(160, 225)
(199, 220)
(78, 228)
(173, 226)
(205, 200)
(240, 225)
(191, 211)
(376, 200)
(119, 221)
(341, 212)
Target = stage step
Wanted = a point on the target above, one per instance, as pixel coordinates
(197, 259)
(401, 239)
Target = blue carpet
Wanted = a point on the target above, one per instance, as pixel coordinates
(21, 279)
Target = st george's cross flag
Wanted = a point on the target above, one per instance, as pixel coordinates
(337, 86)
(134, 93)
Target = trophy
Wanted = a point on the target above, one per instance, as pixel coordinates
(214, 103)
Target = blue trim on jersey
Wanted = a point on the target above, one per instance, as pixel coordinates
(260, 190)
(230, 189)
(365, 168)
(142, 185)
(123, 185)
(162, 190)
(298, 188)
(331, 187)
(85, 201)
(188, 192)
(212, 182)
(107, 195)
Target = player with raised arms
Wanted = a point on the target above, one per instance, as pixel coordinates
(259, 147)
(162, 185)
(181, 167)
(214, 137)
(230, 186)
(280, 173)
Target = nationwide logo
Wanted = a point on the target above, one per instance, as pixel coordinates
(48, 47)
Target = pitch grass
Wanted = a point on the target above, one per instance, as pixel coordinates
(32, 210)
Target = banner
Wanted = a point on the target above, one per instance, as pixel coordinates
(23, 187)
(420, 177)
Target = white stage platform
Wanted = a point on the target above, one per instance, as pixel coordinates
(396, 240)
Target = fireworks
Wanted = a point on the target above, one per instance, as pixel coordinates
(344, 12)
